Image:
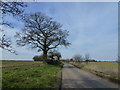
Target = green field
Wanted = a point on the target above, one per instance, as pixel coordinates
(15, 63)
(45, 76)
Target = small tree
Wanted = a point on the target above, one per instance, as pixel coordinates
(87, 57)
(118, 59)
(42, 33)
(53, 54)
(77, 58)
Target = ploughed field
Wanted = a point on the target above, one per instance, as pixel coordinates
(37, 76)
(16, 63)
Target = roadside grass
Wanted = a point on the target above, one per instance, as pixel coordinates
(15, 63)
(0, 70)
(113, 78)
(105, 67)
(45, 76)
(0, 79)
(0, 62)
(107, 70)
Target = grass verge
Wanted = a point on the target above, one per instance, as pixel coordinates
(45, 76)
(112, 78)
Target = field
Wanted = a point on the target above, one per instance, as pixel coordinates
(15, 63)
(104, 69)
(45, 76)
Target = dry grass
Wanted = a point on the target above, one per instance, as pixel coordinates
(108, 70)
(105, 67)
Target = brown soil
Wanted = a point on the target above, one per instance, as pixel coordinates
(19, 66)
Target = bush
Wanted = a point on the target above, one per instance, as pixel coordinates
(55, 62)
(38, 58)
(52, 62)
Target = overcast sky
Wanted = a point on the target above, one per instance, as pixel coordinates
(93, 29)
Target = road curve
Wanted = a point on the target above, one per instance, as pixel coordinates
(73, 77)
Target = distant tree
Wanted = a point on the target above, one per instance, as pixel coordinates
(42, 33)
(9, 8)
(78, 58)
(118, 59)
(87, 56)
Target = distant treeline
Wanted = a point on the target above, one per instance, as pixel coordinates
(88, 60)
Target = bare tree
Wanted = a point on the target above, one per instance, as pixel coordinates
(42, 33)
(78, 58)
(87, 56)
(9, 8)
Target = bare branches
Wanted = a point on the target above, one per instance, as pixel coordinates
(9, 8)
(42, 32)
(14, 8)
(78, 58)
(87, 56)
(5, 43)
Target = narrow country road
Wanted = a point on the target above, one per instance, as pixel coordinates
(73, 77)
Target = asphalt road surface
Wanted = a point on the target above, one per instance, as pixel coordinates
(73, 77)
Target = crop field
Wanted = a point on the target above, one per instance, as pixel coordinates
(15, 63)
(106, 67)
(45, 76)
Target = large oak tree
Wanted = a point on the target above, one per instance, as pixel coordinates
(42, 33)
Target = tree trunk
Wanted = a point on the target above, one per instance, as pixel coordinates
(45, 55)
(58, 58)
